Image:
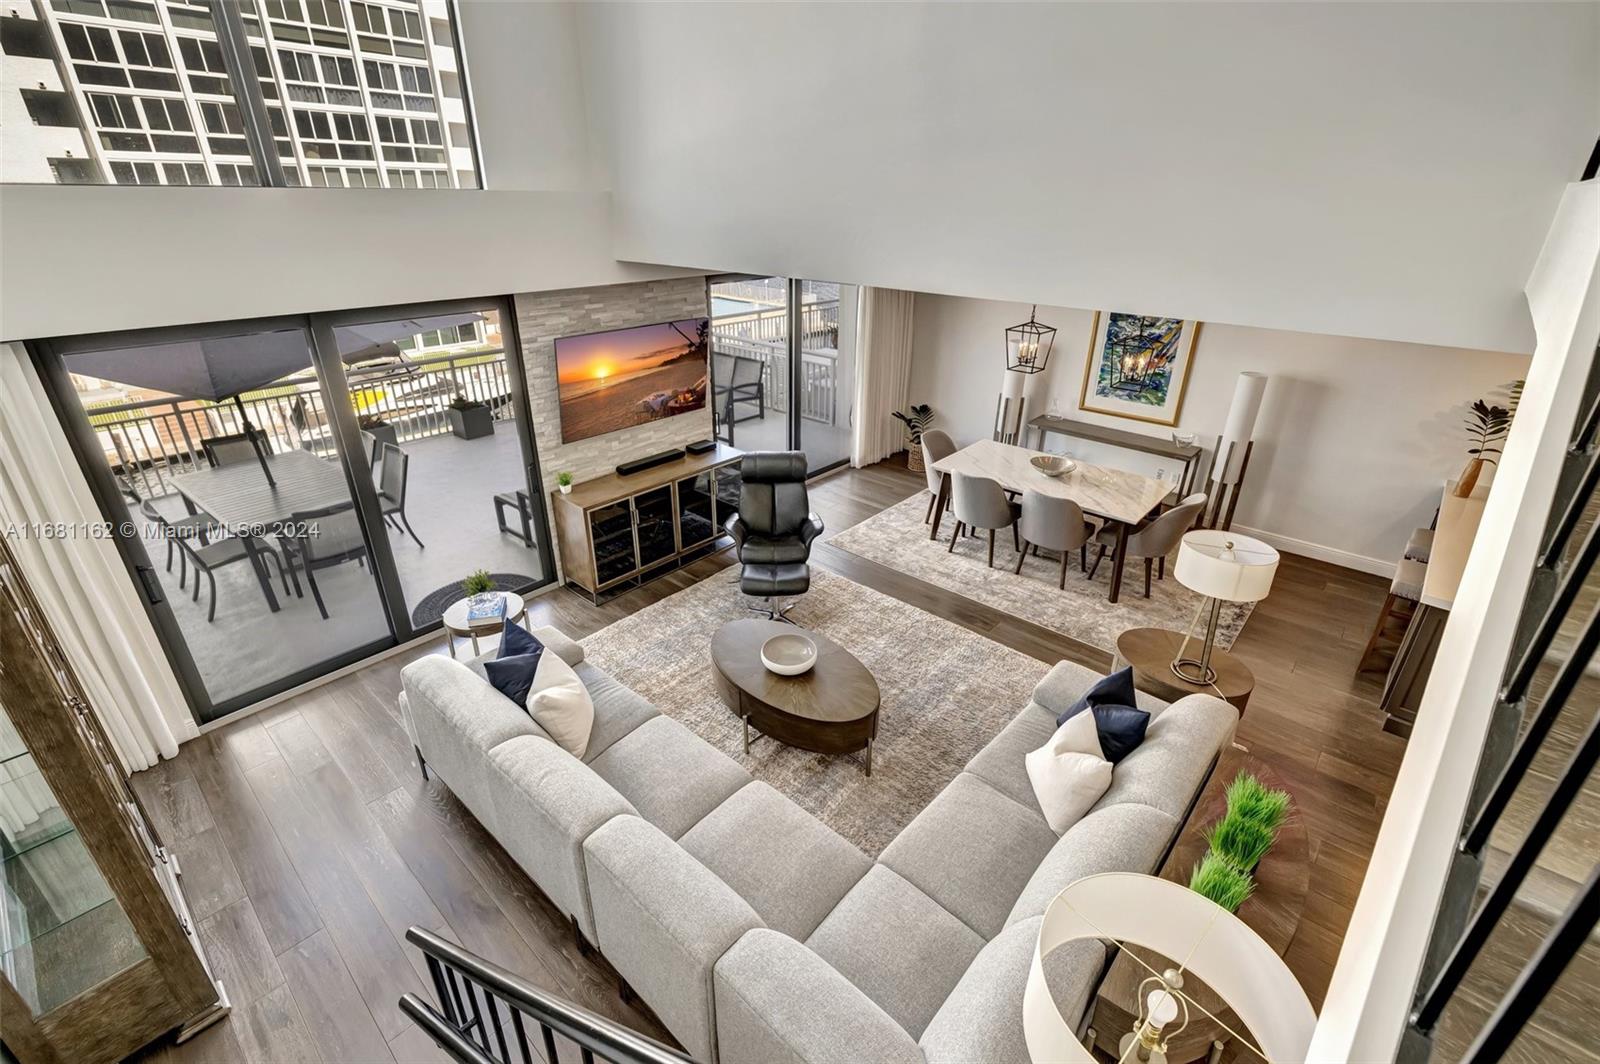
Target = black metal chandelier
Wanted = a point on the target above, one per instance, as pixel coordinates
(1028, 345)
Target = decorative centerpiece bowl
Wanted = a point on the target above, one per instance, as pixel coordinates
(1053, 465)
(789, 654)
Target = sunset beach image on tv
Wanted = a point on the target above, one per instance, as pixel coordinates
(625, 377)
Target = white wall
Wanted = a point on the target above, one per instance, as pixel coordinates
(1354, 440)
(1382, 170)
(76, 259)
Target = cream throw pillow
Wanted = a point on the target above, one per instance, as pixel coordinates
(561, 705)
(1069, 773)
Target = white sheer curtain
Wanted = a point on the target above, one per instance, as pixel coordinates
(80, 580)
(883, 373)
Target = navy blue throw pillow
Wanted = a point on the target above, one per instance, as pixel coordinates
(1121, 730)
(1114, 690)
(512, 670)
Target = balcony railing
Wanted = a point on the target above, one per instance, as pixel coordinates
(763, 336)
(148, 442)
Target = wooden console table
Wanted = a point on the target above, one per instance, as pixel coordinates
(1132, 441)
(1273, 912)
(616, 532)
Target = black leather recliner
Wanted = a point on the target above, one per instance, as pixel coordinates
(773, 530)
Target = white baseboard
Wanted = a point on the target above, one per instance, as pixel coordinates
(1332, 555)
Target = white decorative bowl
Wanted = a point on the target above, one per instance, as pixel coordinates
(789, 654)
(1053, 465)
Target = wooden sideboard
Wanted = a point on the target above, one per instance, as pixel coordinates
(616, 532)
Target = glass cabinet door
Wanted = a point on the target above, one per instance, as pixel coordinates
(695, 524)
(62, 930)
(658, 540)
(729, 484)
(611, 529)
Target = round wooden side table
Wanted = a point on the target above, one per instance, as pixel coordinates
(455, 621)
(1150, 651)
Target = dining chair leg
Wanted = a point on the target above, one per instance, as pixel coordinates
(1149, 563)
(1161, 567)
(1083, 558)
(932, 500)
(211, 579)
(1062, 583)
(991, 548)
(1097, 559)
(410, 533)
(316, 593)
(197, 571)
(1021, 556)
(1016, 537)
(955, 536)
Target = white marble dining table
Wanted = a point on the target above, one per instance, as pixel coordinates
(1122, 498)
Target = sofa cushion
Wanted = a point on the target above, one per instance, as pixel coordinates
(1168, 767)
(1118, 838)
(618, 709)
(982, 1019)
(663, 920)
(546, 802)
(671, 775)
(787, 864)
(1001, 763)
(972, 850)
(899, 946)
(1066, 682)
(1115, 689)
(779, 1003)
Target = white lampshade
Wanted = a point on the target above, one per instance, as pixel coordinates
(1174, 921)
(1225, 565)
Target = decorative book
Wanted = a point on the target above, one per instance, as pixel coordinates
(486, 610)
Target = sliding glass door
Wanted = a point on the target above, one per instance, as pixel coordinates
(784, 365)
(293, 495)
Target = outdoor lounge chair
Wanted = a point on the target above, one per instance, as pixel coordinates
(738, 381)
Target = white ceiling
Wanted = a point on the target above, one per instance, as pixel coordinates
(1368, 170)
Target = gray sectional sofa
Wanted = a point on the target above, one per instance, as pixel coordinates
(755, 932)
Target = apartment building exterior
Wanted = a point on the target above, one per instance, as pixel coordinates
(356, 93)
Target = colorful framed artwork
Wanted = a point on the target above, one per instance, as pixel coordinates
(1138, 366)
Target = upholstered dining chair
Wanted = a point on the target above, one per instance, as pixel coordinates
(1155, 539)
(936, 445)
(980, 503)
(1057, 524)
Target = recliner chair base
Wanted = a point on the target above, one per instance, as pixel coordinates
(768, 607)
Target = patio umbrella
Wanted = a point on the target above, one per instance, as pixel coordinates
(362, 343)
(223, 368)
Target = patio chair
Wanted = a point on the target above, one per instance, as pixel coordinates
(370, 442)
(518, 500)
(392, 489)
(322, 538)
(192, 526)
(230, 450)
(738, 380)
(207, 558)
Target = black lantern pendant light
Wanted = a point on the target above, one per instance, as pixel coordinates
(1028, 345)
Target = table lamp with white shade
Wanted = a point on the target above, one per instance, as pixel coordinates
(1224, 567)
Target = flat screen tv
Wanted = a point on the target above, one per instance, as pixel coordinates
(615, 380)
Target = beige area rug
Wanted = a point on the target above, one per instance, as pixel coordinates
(897, 538)
(945, 692)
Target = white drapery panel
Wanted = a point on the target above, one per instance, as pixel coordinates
(80, 580)
(883, 374)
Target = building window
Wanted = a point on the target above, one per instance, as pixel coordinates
(148, 77)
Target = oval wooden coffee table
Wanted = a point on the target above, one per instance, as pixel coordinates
(832, 709)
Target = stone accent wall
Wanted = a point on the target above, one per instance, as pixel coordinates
(543, 316)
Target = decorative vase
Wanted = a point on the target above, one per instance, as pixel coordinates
(914, 457)
(1469, 478)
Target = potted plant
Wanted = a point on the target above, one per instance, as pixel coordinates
(479, 586)
(1486, 428)
(380, 428)
(1237, 843)
(564, 482)
(916, 421)
(470, 419)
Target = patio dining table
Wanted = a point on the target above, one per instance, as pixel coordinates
(1120, 497)
(239, 497)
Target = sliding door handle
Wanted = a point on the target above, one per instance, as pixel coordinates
(151, 584)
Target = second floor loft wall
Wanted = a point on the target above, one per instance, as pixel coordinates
(1381, 171)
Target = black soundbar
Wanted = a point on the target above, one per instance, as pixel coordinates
(639, 465)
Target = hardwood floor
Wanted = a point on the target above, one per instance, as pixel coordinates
(309, 842)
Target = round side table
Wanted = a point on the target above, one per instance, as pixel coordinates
(1150, 651)
(456, 626)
